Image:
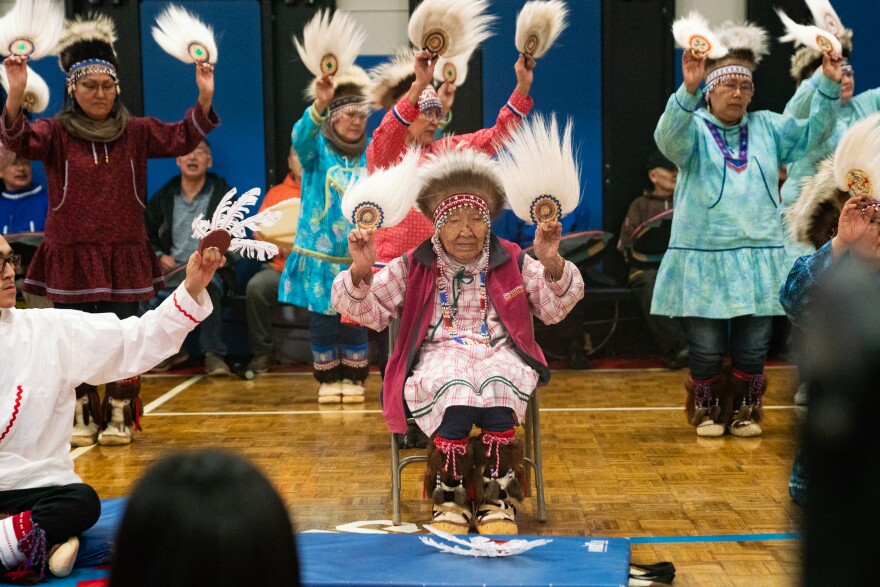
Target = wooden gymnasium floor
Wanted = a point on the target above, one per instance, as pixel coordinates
(619, 461)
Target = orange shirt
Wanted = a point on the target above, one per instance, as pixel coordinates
(289, 188)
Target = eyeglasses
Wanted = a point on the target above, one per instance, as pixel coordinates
(732, 86)
(14, 260)
(432, 116)
(91, 87)
(847, 71)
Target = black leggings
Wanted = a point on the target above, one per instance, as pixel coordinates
(61, 511)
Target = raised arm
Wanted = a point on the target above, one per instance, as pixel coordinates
(676, 133)
(552, 284)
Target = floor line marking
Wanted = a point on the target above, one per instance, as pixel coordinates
(716, 538)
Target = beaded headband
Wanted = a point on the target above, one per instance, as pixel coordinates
(348, 105)
(716, 75)
(428, 99)
(81, 69)
(456, 201)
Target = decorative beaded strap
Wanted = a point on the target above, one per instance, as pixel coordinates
(740, 163)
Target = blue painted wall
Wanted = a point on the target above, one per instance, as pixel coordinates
(568, 81)
(863, 17)
(238, 144)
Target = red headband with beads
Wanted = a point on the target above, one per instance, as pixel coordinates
(459, 201)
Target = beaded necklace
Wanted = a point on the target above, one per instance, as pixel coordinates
(740, 163)
(450, 312)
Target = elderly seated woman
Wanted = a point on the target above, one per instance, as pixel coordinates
(466, 353)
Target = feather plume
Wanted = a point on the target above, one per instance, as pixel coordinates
(693, 32)
(184, 36)
(538, 25)
(36, 91)
(231, 216)
(452, 69)
(811, 218)
(457, 170)
(353, 76)
(810, 36)
(538, 168)
(859, 151)
(32, 28)
(744, 36)
(383, 198)
(825, 17)
(392, 79)
(450, 27)
(95, 27)
(330, 44)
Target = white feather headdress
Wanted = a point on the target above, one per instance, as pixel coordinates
(458, 170)
(330, 43)
(392, 79)
(744, 38)
(810, 36)
(539, 171)
(450, 27)
(97, 27)
(452, 69)
(36, 91)
(32, 28)
(692, 32)
(230, 216)
(184, 36)
(538, 25)
(825, 17)
(383, 198)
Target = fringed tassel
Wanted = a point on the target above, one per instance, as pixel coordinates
(33, 544)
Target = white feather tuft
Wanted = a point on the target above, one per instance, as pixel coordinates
(859, 149)
(35, 24)
(745, 35)
(537, 162)
(339, 36)
(391, 80)
(685, 29)
(36, 91)
(825, 17)
(810, 36)
(446, 66)
(391, 191)
(184, 36)
(458, 26)
(538, 25)
(96, 27)
(354, 75)
(231, 216)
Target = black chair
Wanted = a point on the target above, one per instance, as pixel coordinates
(649, 241)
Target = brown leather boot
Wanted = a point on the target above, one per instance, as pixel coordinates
(449, 462)
(499, 476)
(707, 405)
(746, 391)
(122, 411)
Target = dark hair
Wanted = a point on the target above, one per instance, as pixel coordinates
(206, 517)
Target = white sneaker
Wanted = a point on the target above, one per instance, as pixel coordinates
(330, 393)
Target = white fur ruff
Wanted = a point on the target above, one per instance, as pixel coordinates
(459, 62)
(354, 75)
(390, 190)
(744, 36)
(694, 25)
(537, 162)
(177, 29)
(542, 21)
(40, 22)
(825, 17)
(859, 149)
(808, 36)
(230, 216)
(36, 91)
(386, 77)
(98, 27)
(801, 218)
(452, 161)
(464, 24)
(338, 35)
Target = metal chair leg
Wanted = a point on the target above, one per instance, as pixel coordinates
(395, 481)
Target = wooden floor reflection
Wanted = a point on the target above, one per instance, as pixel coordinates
(619, 461)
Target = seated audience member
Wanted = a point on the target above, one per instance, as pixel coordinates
(205, 518)
(46, 354)
(169, 216)
(570, 330)
(669, 333)
(23, 208)
(261, 295)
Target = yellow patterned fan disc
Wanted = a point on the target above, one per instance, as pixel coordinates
(858, 183)
(700, 45)
(532, 44)
(329, 64)
(436, 41)
(824, 44)
(198, 52)
(368, 215)
(21, 47)
(450, 73)
(545, 208)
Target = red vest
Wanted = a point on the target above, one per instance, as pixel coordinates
(505, 292)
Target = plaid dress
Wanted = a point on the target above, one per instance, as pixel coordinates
(453, 374)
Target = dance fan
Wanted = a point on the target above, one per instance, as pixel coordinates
(854, 170)
(383, 198)
(692, 33)
(825, 17)
(392, 79)
(808, 35)
(330, 45)
(538, 25)
(36, 91)
(539, 172)
(450, 27)
(183, 36)
(226, 230)
(452, 69)
(31, 29)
